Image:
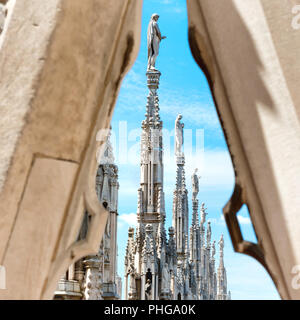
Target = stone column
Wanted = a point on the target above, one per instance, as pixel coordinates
(79, 272)
(143, 280)
(156, 287)
(92, 283)
(126, 287)
(72, 272)
(153, 285)
(113, 248)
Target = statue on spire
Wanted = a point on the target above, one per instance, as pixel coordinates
(153, 41)
(203, 213)
(178, 136)
(195, 184)
(221, 246)
(213, 250)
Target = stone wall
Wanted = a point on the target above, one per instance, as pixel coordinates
(62, 62)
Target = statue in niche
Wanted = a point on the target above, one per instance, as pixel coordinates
(153, 40)
(148, 286)
(178, 135)
(107, 227)
(132, 278)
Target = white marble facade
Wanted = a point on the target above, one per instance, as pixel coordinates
(95, 277)
(182, 265)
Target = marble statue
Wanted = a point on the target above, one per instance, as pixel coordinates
(213, 253)
(203, 213)
(195, 184)
(148, 290)
(178, 135)
(132, 280)
(221, 244)
(165, 278)
(107, 228)
(153, 40)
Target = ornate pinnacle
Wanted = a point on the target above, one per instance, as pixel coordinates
(140, 204)
(195, 213)
(160, 201)
(107, 156)
(152, 108)
(221, 248)
(208, 235)
(130, 232)
(186, 251)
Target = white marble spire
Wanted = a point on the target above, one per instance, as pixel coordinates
(181, 266)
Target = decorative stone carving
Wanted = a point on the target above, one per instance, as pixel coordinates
(97, 274)
(132, 287)
(148, 288)
(165, 279)
(93, 279)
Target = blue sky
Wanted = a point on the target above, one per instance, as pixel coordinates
(183, 89)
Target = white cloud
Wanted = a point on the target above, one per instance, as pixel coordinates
(173, 5)
(214, 167)
(128, 218)
(193, 110)
(244, 220)
(221, 221)
(218, 222)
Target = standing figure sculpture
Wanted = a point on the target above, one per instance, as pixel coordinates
(195, 184)
(153, 40)
(148, 290)
(178, 135)
(165, 286)
(203, 213)
(132, 280)
(221, 245)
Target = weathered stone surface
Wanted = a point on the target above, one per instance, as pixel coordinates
(250, 54)
(97, 275)
(61, 64)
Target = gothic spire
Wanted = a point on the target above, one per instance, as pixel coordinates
(108, 155)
